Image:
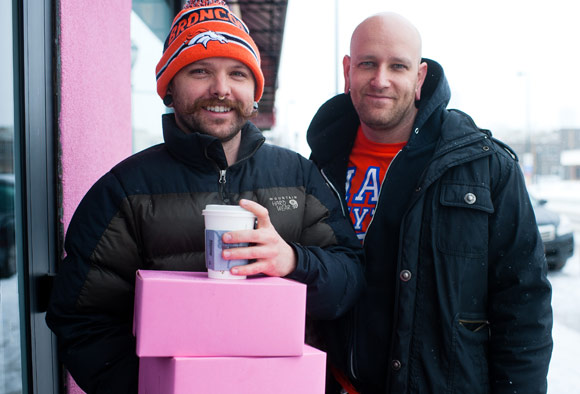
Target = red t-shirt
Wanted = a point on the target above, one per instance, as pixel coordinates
(367, 166)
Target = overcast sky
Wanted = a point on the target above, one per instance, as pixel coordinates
(512, 65)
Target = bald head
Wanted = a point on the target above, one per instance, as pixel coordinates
(389, 29)
(384, 76)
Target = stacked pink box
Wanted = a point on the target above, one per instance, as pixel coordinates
(201, 335)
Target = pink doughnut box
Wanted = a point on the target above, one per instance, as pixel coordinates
(187, 314)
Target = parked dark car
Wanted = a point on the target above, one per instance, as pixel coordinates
(557, 234)
(7, 240)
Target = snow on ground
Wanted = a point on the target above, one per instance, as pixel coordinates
(564, 374)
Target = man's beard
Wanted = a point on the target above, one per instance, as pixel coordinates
(190, 117)
(385, 119)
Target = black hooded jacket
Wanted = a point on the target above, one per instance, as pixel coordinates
(458, 299)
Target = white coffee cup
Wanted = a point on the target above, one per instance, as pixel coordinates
(220, 219)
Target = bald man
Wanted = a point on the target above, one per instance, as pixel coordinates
(458, 299)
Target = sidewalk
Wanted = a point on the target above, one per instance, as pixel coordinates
(564, 373)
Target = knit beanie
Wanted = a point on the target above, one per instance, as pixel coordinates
(204, 29)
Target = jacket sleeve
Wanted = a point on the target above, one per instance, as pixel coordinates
(329, 253)
(91, 305)
(520, 312)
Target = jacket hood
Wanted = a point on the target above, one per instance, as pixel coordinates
(330, 133)
(435, 93)
(196, 148)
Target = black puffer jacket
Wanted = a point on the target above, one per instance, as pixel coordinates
(458, 299)
(146, 214)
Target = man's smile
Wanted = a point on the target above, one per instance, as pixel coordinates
(218, 109)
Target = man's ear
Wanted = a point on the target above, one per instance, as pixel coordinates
(168, 99)
(421, 75)
(346, 70)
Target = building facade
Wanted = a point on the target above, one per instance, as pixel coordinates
(570, 158)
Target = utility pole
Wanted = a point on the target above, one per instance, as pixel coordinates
(529, 157)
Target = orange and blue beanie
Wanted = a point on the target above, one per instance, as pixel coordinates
(204, 29)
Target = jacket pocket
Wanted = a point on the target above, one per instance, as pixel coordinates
(468, 372)
(462, 219)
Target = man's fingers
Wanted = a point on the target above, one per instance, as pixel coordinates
(261, 212)
(241, 236)
(248, 253)
(257, 237)
(250, 269)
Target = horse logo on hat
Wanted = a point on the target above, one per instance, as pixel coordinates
(207, 36)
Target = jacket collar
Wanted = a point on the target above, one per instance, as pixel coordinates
(196, 148)
(435, 93)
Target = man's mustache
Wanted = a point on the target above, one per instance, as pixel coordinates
(235, 105)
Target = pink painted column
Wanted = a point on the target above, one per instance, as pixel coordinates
(94, 119)
(95, 93)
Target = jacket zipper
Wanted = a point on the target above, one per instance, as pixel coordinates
(222, 182)
(222, 173)
(335, 190)
(351, 360)
(344, 209)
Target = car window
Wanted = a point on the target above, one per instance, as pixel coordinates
(6, 197)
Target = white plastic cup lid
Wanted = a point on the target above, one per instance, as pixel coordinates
(226, 210)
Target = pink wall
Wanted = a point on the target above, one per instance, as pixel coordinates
(95, 96)
(95, 93)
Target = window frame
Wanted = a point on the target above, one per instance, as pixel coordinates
(36, 188)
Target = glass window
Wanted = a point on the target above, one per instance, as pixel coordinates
(150, 23)
(10, 346)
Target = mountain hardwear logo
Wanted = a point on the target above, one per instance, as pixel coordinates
(284, 203)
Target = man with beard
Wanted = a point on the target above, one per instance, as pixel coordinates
(457, 297)
(146, 212)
